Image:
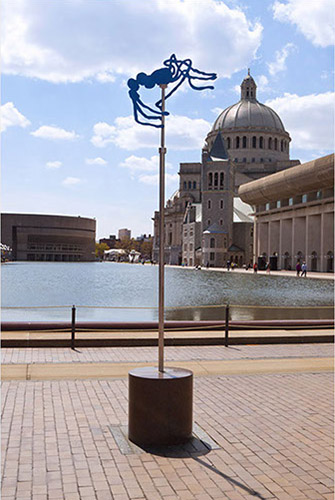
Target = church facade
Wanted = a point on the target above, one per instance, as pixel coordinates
(205, 221)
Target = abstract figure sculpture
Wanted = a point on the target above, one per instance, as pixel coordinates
(160, 401)
(176, 70)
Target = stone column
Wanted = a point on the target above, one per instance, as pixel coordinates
(294, 221)
(255, 238)
(307, 249)
(323, 259)
(281, 257)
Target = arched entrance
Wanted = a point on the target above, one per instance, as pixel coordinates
(330, 262)
(287, 261)
(314, 261)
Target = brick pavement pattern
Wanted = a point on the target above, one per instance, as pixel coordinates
(181, 353)
(275, 434)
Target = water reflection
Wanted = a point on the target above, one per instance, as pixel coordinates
(105, 285)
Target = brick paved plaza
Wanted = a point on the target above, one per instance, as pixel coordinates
(273, 432)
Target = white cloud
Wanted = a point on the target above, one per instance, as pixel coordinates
(237, 89)
(105, 39)
(182, 133)
(53, 164)
(11, 117)
(281, 55)
(95, 161)
(262, 83)
(105, 77)
(217, 111)
(54, 133)
(71, 181)
(309, 119)
(153, 180)
(137, 164)
(314, 19)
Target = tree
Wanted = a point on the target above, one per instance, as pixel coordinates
(100, 249)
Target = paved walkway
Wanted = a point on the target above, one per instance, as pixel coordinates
(273, 432)
(283, 272)
(149, 354)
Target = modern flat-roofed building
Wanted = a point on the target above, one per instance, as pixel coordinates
(294, 215)
(53, 238)
(124, 234)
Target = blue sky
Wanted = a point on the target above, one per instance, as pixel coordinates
(69, 142)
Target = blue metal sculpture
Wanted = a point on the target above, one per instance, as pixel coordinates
(176, 70)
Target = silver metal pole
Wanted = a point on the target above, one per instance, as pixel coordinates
(162, 152)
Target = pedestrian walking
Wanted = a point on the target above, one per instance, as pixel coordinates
(228, 265)
(298, 268)
(304, 269)
(255, 266)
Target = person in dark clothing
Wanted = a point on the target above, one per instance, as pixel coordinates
(298, 268)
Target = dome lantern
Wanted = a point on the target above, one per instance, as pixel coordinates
(248, 88)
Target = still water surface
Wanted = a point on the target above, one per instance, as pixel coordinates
(105, 285)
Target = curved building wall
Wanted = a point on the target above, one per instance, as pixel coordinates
(294, 215)
(53, 238)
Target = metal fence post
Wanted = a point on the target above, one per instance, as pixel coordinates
(227, 325)
(73, 326)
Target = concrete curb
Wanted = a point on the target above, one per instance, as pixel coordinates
(153, 342)
(85, 371)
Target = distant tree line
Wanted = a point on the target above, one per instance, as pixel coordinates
(142, 246)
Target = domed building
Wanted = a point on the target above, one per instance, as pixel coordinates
(254, 136)
(205, 222)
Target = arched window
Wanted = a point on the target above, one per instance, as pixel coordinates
(212, 243)
(210, 180)
(330, 261)
(244, 142)
(194, 185)
(270, 143)
(208, 222)
(221, 222)
(221, 204)
(225, 242)
(237, 142)
(276, 144)
(261, 142)
(299, 256)
(281, 145)
(209, 204)
(221, 179)
(228, 142)
(216, 180)
(189, 185)
(185, 185)
(314, 261)
(254, 142)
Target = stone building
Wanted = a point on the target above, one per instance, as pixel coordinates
(53, 238)
(202, 222)
(294, 215)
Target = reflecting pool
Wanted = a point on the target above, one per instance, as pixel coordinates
(106, 291)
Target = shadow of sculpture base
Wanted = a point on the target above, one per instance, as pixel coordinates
(160, 406)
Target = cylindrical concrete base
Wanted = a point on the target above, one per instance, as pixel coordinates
(160, 406)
